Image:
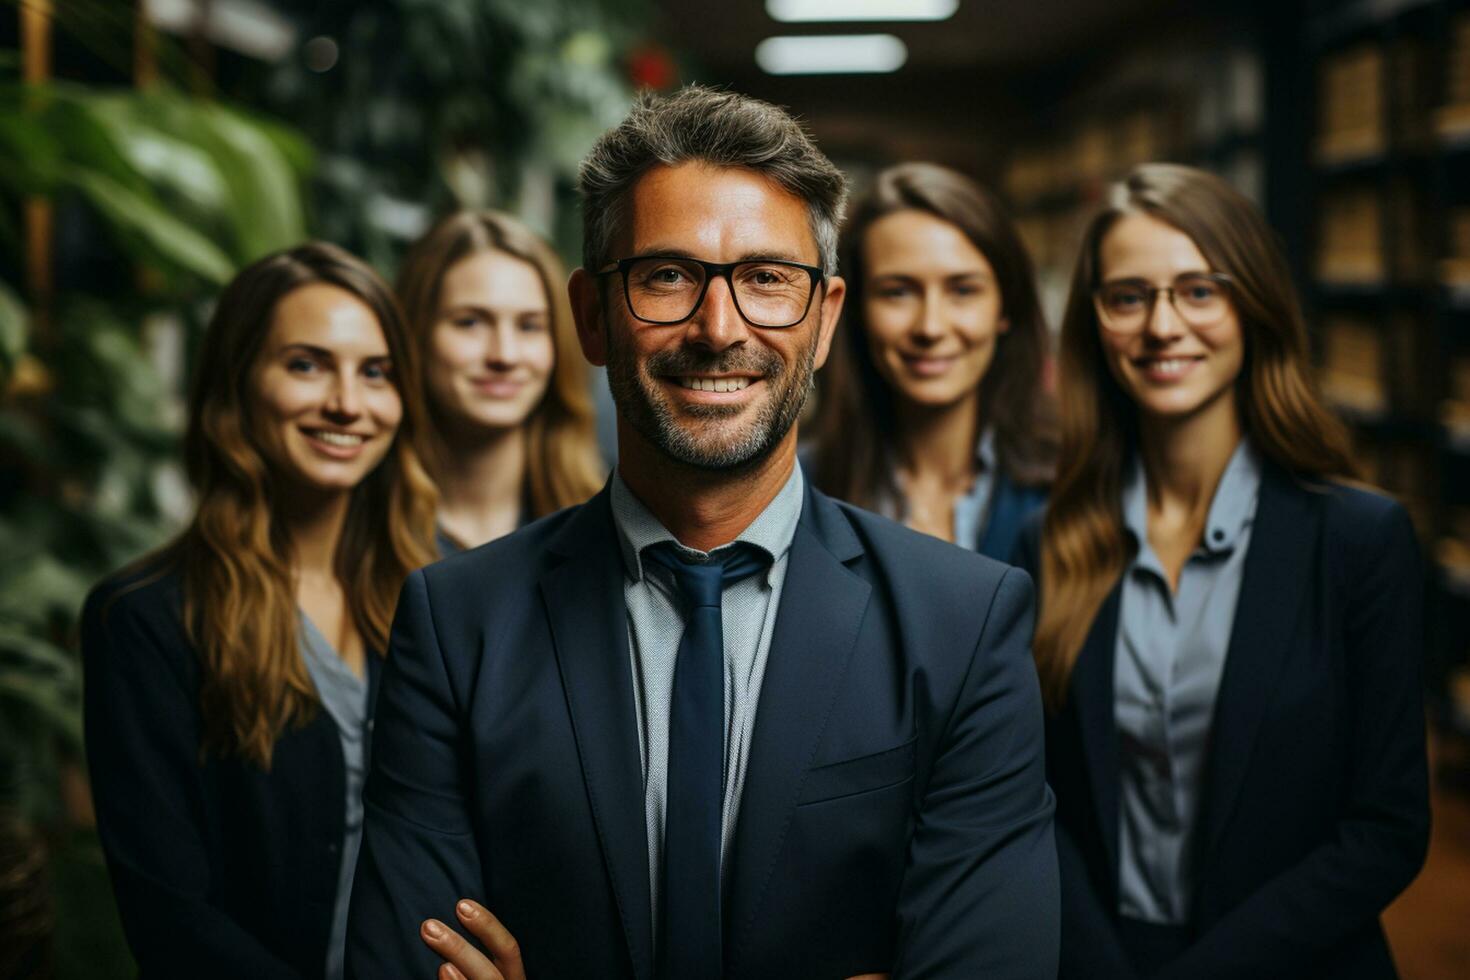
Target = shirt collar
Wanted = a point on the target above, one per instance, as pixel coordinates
(1231, 512)
(772, 530)
(895, 507)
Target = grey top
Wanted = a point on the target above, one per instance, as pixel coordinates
(344, 696)
(971, 508)
(656, 625)
(1170, 653)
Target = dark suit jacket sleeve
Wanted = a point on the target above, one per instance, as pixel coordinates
(1090, 945)
(418, 854)
(979, 896)
(1382, 836)
(142, 735)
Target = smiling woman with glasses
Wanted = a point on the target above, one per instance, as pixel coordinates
(1231, 630)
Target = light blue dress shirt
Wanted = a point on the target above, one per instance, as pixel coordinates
(1170, 653)
(656, 625)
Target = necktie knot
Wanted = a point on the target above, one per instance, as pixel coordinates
(702, 583)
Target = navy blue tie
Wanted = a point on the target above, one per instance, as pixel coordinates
(691, 925)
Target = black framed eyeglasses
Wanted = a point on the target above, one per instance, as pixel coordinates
(667, 289)
(1202, 299)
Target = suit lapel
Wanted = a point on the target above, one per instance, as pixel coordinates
(822, 606)
(1274, 589)
(1092, 693)
(584, 603)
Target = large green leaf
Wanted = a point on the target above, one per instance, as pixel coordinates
(264, 186)
(70, 117)
(172, 165)
(234, 174)
(143, 221)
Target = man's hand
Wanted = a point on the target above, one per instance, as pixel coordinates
(461, 960)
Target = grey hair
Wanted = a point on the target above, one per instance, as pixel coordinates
(723, 129)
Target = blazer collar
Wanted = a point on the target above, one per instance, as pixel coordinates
(1092, 694)
(1272, 599)
(822, 607)
(588, 618)
(1275, 592)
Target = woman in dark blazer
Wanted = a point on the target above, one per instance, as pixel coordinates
(229, 679)
(931, 408)
(1230, 631)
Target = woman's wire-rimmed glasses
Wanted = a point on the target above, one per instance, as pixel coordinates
(666, 289)
(1202, 300)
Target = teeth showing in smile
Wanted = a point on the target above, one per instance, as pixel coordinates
(1174, 365)
(337, 438)
(715, 384)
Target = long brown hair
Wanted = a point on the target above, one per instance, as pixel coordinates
(1083, 545)
(235, 557)
(563, 466)
(856, 421)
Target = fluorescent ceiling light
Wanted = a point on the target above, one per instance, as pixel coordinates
(831, 54)
(810, 11)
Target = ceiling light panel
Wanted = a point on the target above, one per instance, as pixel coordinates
(831, 54)
(855, 11)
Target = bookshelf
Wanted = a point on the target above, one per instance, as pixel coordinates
(1387, 256)
(1194, 101)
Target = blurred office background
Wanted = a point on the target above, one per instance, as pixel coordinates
(148, 149)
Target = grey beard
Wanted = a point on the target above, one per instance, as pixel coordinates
(644, 406)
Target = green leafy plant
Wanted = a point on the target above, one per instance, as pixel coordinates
(168, 195)
(454, 103)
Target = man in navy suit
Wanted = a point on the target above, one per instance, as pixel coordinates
(710, 723)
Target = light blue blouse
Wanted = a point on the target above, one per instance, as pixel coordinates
(344, 695)
(1170, 654)
(971, 508)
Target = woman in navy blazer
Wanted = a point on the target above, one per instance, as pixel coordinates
(930, 411)
(1231, 630)
(229, 679)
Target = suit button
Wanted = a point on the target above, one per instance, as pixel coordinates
(334, 849)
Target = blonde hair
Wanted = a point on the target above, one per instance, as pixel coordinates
(563, 465)
(1083, 545)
